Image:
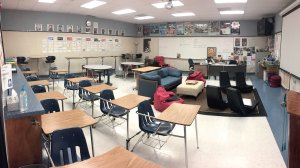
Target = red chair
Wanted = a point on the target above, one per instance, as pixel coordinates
(161, 61)
(196, 76)
(163, 99)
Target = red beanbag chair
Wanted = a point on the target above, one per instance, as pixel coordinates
(197, 76)
(163, 99)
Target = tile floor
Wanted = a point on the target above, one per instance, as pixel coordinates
(224, 142)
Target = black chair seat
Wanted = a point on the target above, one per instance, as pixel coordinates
(90, 97)
(159, 127)
(108, 108)
(72, 87)
(241, 83)
(50, 105)
(245, 89)
(214, 98)
(49, 61)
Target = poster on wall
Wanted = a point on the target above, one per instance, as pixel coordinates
(103, 31)
(211, 51)
(122, 32)
(70, 28)
(237, 42)
(50, 27)
(79, 29)
(171, 28)
(162, 29)
(110, 32)
(179, 29)
(146, 30)
(38, 27)
(235, 28)
(188, 28)
(225, 27)
(213, 28)
(95, 28)
(244, 42)
(154, 29)
(140, 29)
(200, 28)
(146, 45)
(88, 30)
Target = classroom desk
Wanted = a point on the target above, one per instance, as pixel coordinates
(37, 61)
(129, 64)
(76, 81)
(182, 114)
(40, 82)
(52, 95)
(138, 71)
(69, 61)
(97, 89)
(30, 72)
(129, 102)
(67, 119)
(57, 71)
(118, 157)
(99, 69)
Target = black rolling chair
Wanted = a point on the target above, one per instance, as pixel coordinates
(38, 88)
(214, 98)
(32, 78)
(21, 60)
(108, 109)
(241, 83)
(50, 59)
(50, 105)
(138, 57)
(63, 147)
(191, 64)
(85, 95)
(236, 102)
(224, 81)
(150, 125)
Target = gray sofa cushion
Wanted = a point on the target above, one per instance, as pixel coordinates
(169, 81)
(163, 72)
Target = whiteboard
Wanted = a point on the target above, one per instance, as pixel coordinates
(194, 47)
(289, 57)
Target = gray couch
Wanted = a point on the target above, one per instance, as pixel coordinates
(168, 77)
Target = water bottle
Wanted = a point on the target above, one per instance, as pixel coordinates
(23, 100)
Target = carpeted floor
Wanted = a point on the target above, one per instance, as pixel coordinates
(205, 110)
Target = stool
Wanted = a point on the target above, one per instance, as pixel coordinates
(275, 81)
(189, 89)
(50, 59)
(21, 60)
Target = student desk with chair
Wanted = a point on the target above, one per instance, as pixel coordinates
(52, 95)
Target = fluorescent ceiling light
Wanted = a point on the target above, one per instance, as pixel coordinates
(47, 1)
(93, 4)
(232, 12)
(230, 1)
(123, 11)
(183, 14)
(162, 4)
(143, 17)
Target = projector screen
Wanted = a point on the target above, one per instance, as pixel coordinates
(290, 44)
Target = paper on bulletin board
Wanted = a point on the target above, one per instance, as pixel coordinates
(6, 75)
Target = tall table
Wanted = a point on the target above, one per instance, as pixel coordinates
(130, 64)
(97, 89)
(99, 68)
(37, 61)
(67, 119)
(129, 102)
(87, 59)
(115, 158)
(69, 61)
(182, 114)
(52, 95)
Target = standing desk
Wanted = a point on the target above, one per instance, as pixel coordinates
(37, 61)
(129, 102)
(182, 114)
(69, 61)
(105, 68)
(67, 119)
(52, 95)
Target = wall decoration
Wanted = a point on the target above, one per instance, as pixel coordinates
(211, 51)
(171, 28)
(237, 42)
(79, 29)
(146, 30)
(188, 28)
(88, 30)
(38, 27)
(117, 32)
(214, 28)
(244, 42)
(122, 32)
(200, 28)
(60, 28)
(50, 27)
(162, 29)
(147, 48)
(103, 31)
(95, 30)
(179, 29)
(225, 27)
(140, 29)
(155, 29)
(109, 32)
(235, 28)
(70, 28)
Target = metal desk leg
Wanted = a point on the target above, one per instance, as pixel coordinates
(37, 66)
(68, 65)
(196, 132)
(53, 84)
(127, 139)
(62, 105)
(92, 108)
(185, 148)
(108, 78)
(73, 99)
(115, 64)
(92, 141)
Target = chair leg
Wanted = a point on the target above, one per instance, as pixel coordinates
(139, 140)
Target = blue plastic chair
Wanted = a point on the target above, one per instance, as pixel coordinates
(64, 143)
(68, 85)
(38, 88)
(85, 95)
(32, 78)
(50, 105)
(107, 108)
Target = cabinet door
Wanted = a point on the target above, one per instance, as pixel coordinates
(23, 141)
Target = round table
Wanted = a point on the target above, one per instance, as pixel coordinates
(105, 68)
(129, 64)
